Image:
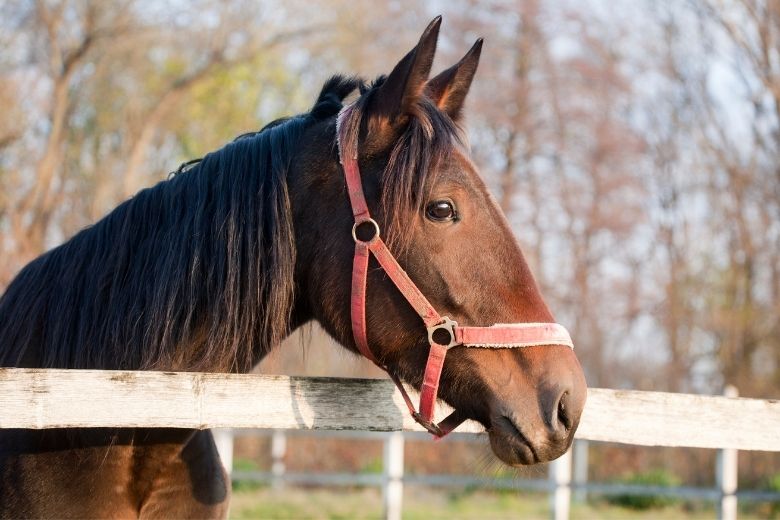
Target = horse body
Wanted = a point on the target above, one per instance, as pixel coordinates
(211, 269)
(150, 287)
(111, 473)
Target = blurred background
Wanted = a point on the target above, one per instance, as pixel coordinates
(634, 146)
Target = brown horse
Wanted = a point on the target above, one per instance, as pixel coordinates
(210, 269)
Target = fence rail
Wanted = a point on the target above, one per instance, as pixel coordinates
(38, 398)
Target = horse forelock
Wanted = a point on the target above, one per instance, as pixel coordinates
(421, 144)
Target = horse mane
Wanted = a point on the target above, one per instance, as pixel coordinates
(195, 273)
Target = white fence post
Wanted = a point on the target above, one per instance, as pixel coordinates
(278, 449)
(223, 438)
(726, 474)
(580, 448)
(393, 467)
(560, 478)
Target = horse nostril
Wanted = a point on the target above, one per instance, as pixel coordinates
(563, 412)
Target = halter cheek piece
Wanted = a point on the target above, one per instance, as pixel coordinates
(443, 333)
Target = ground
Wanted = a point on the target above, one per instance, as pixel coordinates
(294, 503)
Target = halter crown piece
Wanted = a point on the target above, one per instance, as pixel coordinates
(443, 333)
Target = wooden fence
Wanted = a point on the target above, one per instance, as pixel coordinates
(32, 398)
(567, 479)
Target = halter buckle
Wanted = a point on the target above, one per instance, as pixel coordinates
(447, 326)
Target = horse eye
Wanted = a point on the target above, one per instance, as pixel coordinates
(440, 211)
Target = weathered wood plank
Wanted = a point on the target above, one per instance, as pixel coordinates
(65, 398)
(73, 398)
(666, 419)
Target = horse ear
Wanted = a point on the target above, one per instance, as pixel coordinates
(406, 82)
(448, 89)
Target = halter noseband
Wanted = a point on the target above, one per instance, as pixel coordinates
(443, 333)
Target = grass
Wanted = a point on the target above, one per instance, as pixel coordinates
(293, 503)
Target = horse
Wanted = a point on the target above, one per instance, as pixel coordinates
(210, 269)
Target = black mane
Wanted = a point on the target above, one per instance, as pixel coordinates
(195, 273)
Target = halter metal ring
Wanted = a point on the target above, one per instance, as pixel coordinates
(431, 426)
(366, 221)
(447, 325)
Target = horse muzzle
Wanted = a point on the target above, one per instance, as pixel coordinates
(533, 419)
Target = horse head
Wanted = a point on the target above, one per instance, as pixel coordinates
(446, 231)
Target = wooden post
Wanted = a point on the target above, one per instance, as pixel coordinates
(393, 466)
(580, 448)
(560, 478)
(223, 438)
(278, 449)
(726, 474)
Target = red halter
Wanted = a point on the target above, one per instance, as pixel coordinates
(445, 330)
